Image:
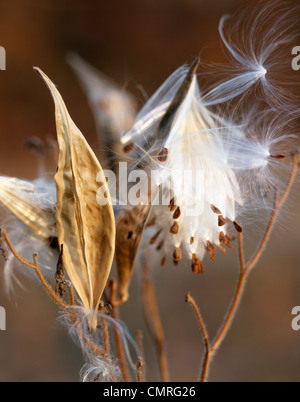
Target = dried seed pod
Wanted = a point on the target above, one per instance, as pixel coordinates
(113, 107)
(167, 119)
(60, 272)
(85, 228)
(132, 220)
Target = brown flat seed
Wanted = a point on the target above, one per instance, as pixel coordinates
(172, 205)
(192, 240)
(197, 265)
(129, 147)
(177, 213)
(160, 245)
(222, 238)
(177, 255)
(162, 156)
(174, 228)
(223, 249)
(155, 237)
(229, 236)
(215, 209)
(279, 156)
(221, 220)
(228, 244)
(210, 246)
(212, 255)
(163, 261)
(238, 227)
(151, 222)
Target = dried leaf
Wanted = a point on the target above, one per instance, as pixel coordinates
(130, 228)
(85, 228)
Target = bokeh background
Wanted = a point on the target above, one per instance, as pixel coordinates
(137, 43)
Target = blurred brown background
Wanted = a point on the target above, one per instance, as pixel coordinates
(136, 42)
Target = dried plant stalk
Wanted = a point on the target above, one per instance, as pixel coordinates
(153, 320)
(141, 361)
(119, 343)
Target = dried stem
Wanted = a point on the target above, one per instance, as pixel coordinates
(53, 294)
(244, 272)
(204, 371)
(155, 326)
(119, 343)
(105, 331)
(141, 360)
(139, 370)
(74, 318)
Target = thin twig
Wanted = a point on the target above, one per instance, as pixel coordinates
(46, 285)
(74, 318)
(206, 359)
(54, 296)
(152, 317)
(21, 259)
(118, 338)
(154, 324)
(105, 330)
(141, 360)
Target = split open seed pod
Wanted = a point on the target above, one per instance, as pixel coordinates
(85, 228)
